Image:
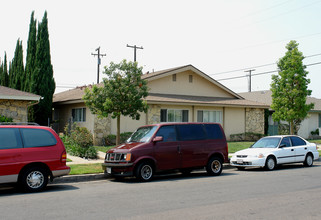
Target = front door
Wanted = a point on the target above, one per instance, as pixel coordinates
(167, 152)
(286, 152)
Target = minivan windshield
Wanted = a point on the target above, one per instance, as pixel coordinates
(142, 134)
(267, 143)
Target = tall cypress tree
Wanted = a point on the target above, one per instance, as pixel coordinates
(42, 81)
(17, 76)
(4, 80)
(31, 52)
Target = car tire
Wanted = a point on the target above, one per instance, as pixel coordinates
(34, 179)
(270, 163)
(214, 166)
(308, 162)
(144, 171)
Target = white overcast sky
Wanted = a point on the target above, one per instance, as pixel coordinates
(215, 36)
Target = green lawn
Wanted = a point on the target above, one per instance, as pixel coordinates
(103, 148)
(76, 169)
(236, 146)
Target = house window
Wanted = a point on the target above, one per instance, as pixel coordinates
(174, 115)
(190, 78)
(209, 116)
(174, 77)
(78, 114)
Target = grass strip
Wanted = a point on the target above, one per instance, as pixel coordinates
(77, 169)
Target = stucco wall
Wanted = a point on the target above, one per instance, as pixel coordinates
(182, 86)
(63, 113)
(234, 121)
(17, 110)
(127, 124)
(311, 123)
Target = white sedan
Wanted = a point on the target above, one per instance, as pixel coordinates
(270, 151)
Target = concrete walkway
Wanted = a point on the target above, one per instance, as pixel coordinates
(79, 160)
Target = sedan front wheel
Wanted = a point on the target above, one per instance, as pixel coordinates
(270, 163)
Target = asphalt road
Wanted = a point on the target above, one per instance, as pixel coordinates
(290, 192)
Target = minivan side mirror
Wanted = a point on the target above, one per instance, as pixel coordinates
(158, 139)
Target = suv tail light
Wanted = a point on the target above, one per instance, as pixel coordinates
(63, 158)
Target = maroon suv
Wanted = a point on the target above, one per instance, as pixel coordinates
(169, 146)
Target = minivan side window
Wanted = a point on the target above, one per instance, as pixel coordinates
(10, 138)
(296, 141)
(37, 138)
(167, 132)
(191, 132)
(213, 131)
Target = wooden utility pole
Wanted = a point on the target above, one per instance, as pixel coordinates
(135, 48)
(98, 61)
(250, 76)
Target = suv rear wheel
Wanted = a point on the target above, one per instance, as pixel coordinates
(34, 179)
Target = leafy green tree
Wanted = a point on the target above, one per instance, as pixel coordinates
(17, 75)
(290, 89)
(42, 81)
(122, 93)
(31, 53)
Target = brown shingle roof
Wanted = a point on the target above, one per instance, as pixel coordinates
(9, 93)
(266, 98)
(202, 100)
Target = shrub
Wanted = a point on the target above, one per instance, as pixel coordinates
(316, 132)
(247, 136)
(110, 140)
(78, 142)
(5, 119)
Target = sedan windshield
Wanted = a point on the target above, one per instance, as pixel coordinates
(142, 134)
(267, 143)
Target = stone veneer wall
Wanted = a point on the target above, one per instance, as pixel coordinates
(15, 109)
(154, 114)
(102, 128)
(254, 120)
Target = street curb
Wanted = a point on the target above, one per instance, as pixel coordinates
(102, 176)
(79, 178)
(95, 177)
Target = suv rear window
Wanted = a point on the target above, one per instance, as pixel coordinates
(191, 132)
(213, 131)
(10, 138)
(37, 138)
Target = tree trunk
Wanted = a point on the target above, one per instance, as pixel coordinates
(118, 130)
(292, 127)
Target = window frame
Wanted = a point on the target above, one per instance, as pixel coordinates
(164, 116)
(205, 110)
(76, 111)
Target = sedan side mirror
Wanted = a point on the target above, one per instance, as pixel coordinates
(282, 145)
(158, 139)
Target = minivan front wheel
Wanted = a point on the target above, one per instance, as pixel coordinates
(34, 179)
(214, 166)
(144, 172)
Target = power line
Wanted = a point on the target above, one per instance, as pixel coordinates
(269, 64)
(263, 73)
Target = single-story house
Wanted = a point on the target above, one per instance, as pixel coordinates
(311, 123)
(182, 94)
(14, 103)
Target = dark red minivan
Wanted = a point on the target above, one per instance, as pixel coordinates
(169, 146)
(30, 154)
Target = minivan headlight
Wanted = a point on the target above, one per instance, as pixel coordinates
(127, 156)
